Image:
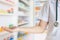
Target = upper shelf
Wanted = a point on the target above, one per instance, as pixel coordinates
(7, 2)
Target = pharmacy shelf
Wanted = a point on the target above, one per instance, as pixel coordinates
(23, 9)
(6, 14)
(23, 15)
(3, 33)
(25, 2)
(6, 2)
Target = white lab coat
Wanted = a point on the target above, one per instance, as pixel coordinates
(49, 15)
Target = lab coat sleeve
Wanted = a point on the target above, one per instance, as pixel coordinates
(44, 13)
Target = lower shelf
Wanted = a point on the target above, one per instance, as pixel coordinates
(3, 33)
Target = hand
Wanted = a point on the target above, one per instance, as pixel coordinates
(7, 29)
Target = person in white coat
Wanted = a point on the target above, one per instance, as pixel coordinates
(48, 17)
(52, 14)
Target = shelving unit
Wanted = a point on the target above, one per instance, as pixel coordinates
(24, 7)
(27, 10)
(12, 18)
(8, 10)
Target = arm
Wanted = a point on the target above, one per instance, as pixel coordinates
(37, 29)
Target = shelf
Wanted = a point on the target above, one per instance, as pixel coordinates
(22, 14)
(3, 33)
(25, 2)
(6, 14)
(23, 9)
(7, 3)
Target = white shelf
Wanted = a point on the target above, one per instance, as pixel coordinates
(6, 14)
(3, 33)
(7, 3)
(22, 14)
(22, 9)
(6, 34)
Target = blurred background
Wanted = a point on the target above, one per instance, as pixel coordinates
(20, 13)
